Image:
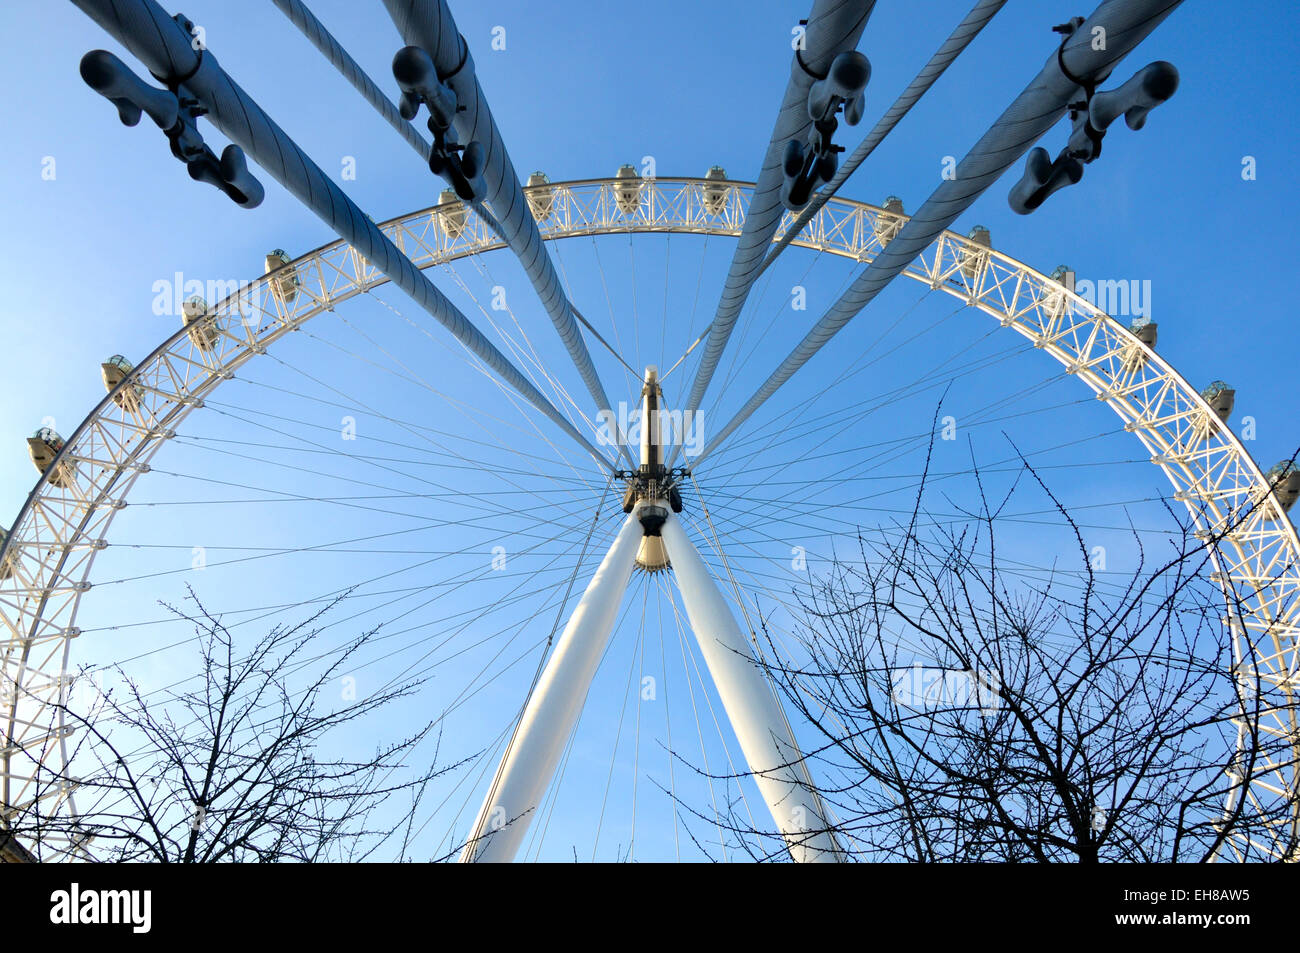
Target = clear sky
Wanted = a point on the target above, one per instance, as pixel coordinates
(581, 88)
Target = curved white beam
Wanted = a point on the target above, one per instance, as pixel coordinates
(55, 537)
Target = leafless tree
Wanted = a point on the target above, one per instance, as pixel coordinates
(963, 710)
(233, 768)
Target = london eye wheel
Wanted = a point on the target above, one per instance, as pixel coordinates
(385, 426)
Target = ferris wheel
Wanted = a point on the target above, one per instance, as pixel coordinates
(540, 507)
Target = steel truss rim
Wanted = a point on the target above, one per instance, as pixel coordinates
(1039, 309)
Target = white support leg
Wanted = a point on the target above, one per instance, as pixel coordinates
(752, 707)
(552, 711)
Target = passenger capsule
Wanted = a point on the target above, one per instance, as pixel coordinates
(285, 283)
(541, 197)
(1221, 398)
(715, 196)
(889, 220)
(6, 561)
(44, 446)
(453, 213)
(115, 370)
(1145, 331)
(627, 193)
(973, 260)
(1056, 295)
(199, 323)
(1283, 479)
(1135, 356)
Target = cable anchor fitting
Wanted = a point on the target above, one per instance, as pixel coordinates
(1091, 117)
(176, 112)
(808, 165)
(461, 166)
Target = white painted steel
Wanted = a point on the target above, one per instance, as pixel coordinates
(752, 707)
(53, 542)
(552, 710)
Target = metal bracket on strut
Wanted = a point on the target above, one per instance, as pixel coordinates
(1091, 117)
(460, 165)
(645, 483)
(808, 165)
(175, 111)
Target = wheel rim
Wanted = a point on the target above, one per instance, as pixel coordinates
(60, 529)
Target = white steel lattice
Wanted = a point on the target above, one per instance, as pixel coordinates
(60, 528)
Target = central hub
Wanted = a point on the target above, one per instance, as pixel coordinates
(652, 486)
(652, 556)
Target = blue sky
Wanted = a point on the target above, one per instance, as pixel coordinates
(579, 90)
(581, 93)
